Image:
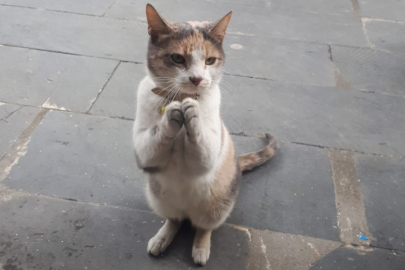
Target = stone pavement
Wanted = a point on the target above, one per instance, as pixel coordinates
(326, 77)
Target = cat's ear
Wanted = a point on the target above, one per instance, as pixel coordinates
(218, 29)
(156, 24)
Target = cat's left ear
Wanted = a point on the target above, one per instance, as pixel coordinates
(218, 29)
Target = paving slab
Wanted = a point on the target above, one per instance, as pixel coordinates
(89, 158)
(388, 9)
(254, 20)
(14, 119)
(43, 233)
(386, 35)
(331, 7)
(293, 193)
(370, 70)
(118, 98)
(382, 183)
(272, 250)
(294, 62)
(83, 158)
(286, 61)
(279, 60)
(343, 7)
(72, 33)
(352, 259)
(61, 81)
(93, 7)
(316, 115)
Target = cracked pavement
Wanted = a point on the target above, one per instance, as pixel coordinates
(325, 77)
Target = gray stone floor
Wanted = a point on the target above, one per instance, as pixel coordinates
(326, 77)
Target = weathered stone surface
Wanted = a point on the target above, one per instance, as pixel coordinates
(386, 35)
(279, 60)
(349, 258)
(271, 250)
(387, 9)
(316, 115)
(328, 74)
(382, 182)
(85, 158)
(93, 7)
(52, 80)
(255, 20)
(43, 233)
(118, 98)
(351, 212)
(343, 7)
(292, 193)
(369, 70)
(72, 33)
(14, 119)
(89, 158)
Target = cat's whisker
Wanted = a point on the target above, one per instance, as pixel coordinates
(172, 92)
(167, 93)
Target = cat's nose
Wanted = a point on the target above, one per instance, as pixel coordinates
(195, 80)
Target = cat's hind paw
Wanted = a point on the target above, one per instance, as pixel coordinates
(157, 244)
(201, 255)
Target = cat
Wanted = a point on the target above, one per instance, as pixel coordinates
(180, 140)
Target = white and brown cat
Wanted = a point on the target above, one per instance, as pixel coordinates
(180, 140)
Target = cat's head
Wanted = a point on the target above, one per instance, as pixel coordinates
(186, 57)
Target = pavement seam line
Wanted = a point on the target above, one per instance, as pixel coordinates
(351, 212)
(5, 191)
(337, 72)
(237, 134)
(108, 9)
(19, 148)
(10, 114)
(343, 149)
(60, 11)
(69, 53)
(12, 192)
(363, 23)
(102, 88)
(369, 19)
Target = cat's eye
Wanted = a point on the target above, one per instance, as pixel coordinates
(210, 60)
(177, 58)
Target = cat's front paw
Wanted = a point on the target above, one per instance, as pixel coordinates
(190, 108)
(173, 118)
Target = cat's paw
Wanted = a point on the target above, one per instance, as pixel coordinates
(201, 255)
(158, 244)
(190, 108)
(173, 118)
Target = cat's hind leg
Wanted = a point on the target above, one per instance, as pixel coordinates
(201, 246)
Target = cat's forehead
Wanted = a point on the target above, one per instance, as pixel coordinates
(191, 35)
(196, 24)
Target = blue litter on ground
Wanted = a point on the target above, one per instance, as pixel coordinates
(362, 237)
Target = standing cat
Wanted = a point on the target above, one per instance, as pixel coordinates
(179, 138)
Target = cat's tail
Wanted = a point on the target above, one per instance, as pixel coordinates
(251, 160)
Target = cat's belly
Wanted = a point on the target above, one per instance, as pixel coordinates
(177, 196)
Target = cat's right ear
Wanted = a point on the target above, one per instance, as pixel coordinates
(156, 24)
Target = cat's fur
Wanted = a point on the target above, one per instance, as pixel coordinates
(186, 152)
